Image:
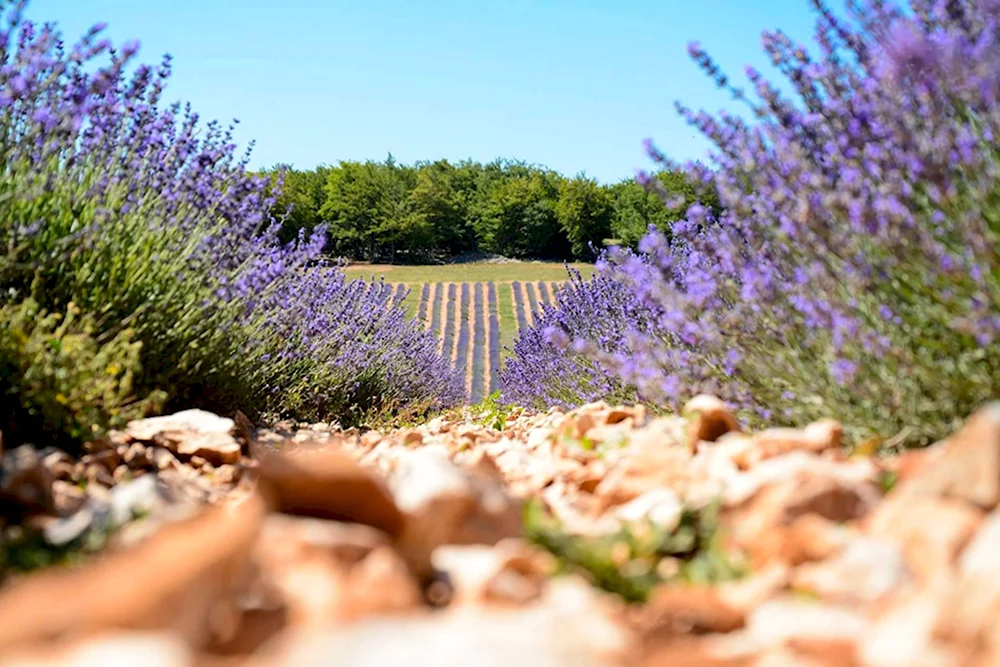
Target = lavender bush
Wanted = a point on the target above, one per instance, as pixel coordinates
(425, 293)
(464, 335)
(145, 220)
(494, 321)
(855, 269)
(545, 370)
(478, 371)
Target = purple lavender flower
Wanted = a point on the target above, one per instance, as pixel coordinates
(494, 370)
(519, 306)
(142, 215)
(462, 344)
(479, 369)
(425, 293)
(551, 364)
(857, 233)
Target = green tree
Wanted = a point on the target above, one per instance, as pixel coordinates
(437, 203)
(303, 193)
(351, 207)
(584, 211)
(366, 210)
(636, 209)
(519, 219)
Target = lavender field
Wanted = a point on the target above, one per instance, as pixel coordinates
(475, 321)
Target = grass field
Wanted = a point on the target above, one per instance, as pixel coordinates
(467, 273)
(475, 309)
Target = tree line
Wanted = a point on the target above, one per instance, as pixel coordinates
(391, 212)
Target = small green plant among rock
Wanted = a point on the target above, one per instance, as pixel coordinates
(634, 560)
(493, 412)
(24, 549)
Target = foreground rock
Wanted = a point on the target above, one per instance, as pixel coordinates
(406, 547)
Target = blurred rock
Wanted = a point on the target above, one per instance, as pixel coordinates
(372, 530)
(746, 485)
(932, 531)
(764, 527)
(412, 438)
(661, 506)
(679, 610)
(971, 608)
(967, 468)
(326, 571)
(59, 463)
(148, 649)
(123, 503)
(783, 621)
(244, 428)
(161, 458)
(568, 627)
(445, 504)
(182, 580)
(708, 420)
(510, 573)
(904, 634)
(817, 437)
(68, 498)
(226, 474)
(190, 433)
(25, 483)
(865, 571)
(327, 484)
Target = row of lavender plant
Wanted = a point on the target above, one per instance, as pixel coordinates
(464, 334)
(519, 306)
(437, 307)
(494, 336)
(143, 220)
(544, 369)
(425, 296)
(854, 270)
(480, 365)
(531, 300)
(448, 329)
(543, 294)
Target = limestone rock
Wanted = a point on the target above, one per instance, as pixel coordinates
(190, 433)
(763, 527)
(327, 484)
(968, 468)
(150, 649)
(708, 419)
(866, 571)
(676, 609)
(932, 531)
(660, 506)
(25, 482)
(784, 620)
(182, 579)
(904, 634)
(510, 573)
(445, 504)
(817, 437)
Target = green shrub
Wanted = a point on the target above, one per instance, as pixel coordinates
(55, 374)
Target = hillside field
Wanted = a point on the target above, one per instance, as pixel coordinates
(475, 309)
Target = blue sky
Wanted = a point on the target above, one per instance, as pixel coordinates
(575, 85)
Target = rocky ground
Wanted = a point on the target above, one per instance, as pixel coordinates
(599, 537)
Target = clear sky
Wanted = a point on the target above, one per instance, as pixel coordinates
(575, 85)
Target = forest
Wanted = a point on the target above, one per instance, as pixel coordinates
(430, 211)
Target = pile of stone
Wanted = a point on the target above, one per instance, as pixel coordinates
(308, 544)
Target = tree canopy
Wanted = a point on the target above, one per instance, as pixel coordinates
(390, 212)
